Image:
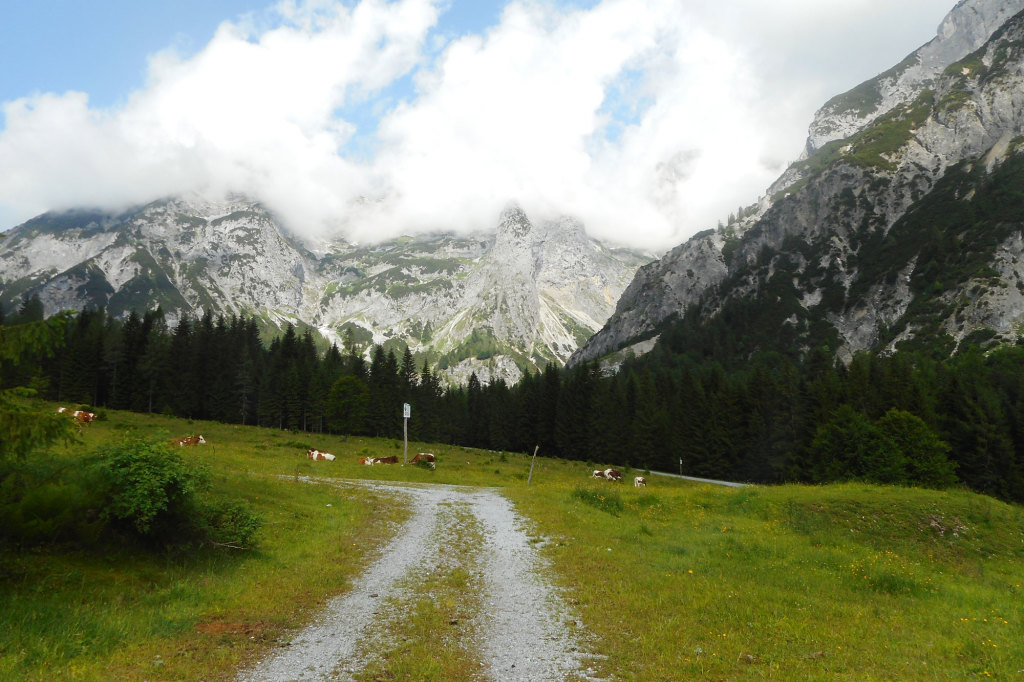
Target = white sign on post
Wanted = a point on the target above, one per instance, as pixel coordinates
(406, 413)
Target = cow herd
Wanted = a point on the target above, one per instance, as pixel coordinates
(616, 475)
(82, 417)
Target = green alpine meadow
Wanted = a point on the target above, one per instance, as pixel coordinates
(675, 580)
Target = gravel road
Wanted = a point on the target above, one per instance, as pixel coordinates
(521, 632)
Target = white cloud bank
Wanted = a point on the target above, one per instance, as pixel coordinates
(647, 119)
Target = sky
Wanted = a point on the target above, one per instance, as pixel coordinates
(649, 120)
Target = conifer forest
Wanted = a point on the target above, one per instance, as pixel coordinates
(691, 406)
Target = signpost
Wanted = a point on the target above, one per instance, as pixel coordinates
(406, 413)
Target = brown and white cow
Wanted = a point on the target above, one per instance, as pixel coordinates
(393, 459)
(639, 482)
(80, 416)
(189, 440)
(613, 474)
(425, 458)
(608, 474)
(319, 455)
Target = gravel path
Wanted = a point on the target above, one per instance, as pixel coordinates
(521, 632)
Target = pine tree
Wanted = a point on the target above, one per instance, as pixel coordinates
(154, 361)
(547, 415)
(476, 413)
(428, 394)
(409, 378)
(347, 404)
(24, 425)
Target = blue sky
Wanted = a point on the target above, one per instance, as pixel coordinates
(648, 119)
(101, 47)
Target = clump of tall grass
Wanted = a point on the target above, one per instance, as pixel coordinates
(606, 500)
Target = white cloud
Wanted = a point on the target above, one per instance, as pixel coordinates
(648, 119)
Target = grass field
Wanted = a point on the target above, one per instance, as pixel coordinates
(674, 581)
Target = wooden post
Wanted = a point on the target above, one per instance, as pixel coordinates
(532, 462)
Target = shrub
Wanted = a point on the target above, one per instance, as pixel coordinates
(42, 500)
(151, 492)
(148, 485)
(228, 523)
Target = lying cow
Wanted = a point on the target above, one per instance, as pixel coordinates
(370, 461)
(319, 455)
(189, 440)
(639, 482)
(424, 458)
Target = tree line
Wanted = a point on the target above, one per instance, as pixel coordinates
(685, 407)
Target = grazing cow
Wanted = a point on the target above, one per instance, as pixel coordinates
(393, 459)
(598, 473)
(83, 417)
(189, 440)
(318, 455)
(80, 416)
(613, 475)
(422, 457)
(639, 482)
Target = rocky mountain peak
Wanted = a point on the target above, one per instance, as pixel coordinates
(966, 28)
(514, 227)
(900, 228)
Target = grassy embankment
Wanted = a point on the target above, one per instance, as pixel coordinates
(792, 582)
(675, 581)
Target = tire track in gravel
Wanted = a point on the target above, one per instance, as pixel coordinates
(521, 631)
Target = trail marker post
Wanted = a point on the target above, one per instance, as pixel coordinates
(532, 462)
(680, 466)
(406, 413)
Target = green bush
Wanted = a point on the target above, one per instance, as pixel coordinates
(151, 493)
(44, 500)
(229, 523)
(147, 484)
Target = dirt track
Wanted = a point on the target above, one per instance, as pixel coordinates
(521, 631)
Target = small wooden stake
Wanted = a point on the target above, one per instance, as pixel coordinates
(532, 462)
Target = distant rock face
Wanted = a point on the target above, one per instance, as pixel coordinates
(659, 290)
(965, 29)
(497, 304)
(943, 127)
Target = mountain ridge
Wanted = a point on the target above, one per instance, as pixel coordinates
(496, 303)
